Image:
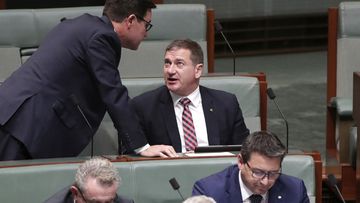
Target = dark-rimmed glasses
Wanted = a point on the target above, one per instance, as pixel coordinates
(260, 174)
(94, 201)
(148, 24)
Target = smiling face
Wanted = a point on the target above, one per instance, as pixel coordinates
(181, 75)
(259, 163)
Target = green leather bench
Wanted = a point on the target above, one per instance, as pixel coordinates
(22, 31)
(143, 181)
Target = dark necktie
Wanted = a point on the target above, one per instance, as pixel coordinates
(255, 198)
(188, 126)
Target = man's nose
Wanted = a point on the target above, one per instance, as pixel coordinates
(171, 69)
(265, 180)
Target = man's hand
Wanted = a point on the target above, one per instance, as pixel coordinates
(159, 150)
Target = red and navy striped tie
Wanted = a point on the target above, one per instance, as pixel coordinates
(188, 126)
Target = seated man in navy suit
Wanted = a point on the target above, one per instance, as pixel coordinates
(96, 180)
(256, 177)
(184, 114)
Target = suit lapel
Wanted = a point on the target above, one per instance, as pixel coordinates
(168, 114)
(276, 193)
(233, 186)
(210, 114)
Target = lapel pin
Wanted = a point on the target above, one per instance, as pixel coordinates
(211, 109)
(279, 197)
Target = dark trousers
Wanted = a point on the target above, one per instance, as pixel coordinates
(11, 148)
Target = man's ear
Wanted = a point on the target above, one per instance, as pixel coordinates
(240, 159)
(198, 70)
(74, 191)
(130, 19)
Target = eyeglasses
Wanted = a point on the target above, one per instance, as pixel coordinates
(95, 201)
(260, 174)
(148, 25)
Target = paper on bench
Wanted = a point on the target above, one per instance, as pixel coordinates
(209, 154)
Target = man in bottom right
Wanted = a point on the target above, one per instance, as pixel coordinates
(257, 177)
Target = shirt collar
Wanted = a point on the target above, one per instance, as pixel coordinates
(245, 191)
(195, 97)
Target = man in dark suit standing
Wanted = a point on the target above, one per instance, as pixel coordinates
(257, 176)
(75, 66)
(209, 117)
(96, 180)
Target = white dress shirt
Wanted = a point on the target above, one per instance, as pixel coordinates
(198, 117)
(246, 192)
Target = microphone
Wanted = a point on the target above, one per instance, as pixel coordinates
(332, 181)
(77, 104)
(175, 185)
(272, 96)
(218, 29)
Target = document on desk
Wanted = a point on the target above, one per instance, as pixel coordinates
(209, 154)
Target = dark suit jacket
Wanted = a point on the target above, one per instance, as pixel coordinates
(78, 57)
(225, 187)
(224, 121)
(65, 196)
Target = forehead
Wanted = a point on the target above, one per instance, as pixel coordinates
(148, 15)
(95, 189)
(178, 53)
(263, 162)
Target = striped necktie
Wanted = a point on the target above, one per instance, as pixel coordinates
(188, 126)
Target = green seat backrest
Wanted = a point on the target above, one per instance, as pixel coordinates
(143, 181)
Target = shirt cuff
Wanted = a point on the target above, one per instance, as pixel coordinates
(141, 149)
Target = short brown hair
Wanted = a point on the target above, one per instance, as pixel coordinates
(264, 143)
(196, 53)
(118, 10)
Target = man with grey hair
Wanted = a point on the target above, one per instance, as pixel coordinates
(257, 177)
(96, 180)
(199, 199)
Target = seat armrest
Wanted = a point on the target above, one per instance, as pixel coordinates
(342, 105)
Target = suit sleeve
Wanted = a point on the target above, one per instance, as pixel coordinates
(305, 198)
(103, 52)
(240, 131)
(198, 189)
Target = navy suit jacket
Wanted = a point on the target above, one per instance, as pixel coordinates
(224, 121)
(225, 187)
(65, 196)
(79, 57)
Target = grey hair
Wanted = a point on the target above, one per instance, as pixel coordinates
(101, 169)
(199, 199)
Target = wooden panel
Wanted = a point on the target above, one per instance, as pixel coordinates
(210, 38)
(158, 1)
(2, 4)
(331, 77)
(356, 116)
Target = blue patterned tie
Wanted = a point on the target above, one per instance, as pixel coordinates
(188, 126)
